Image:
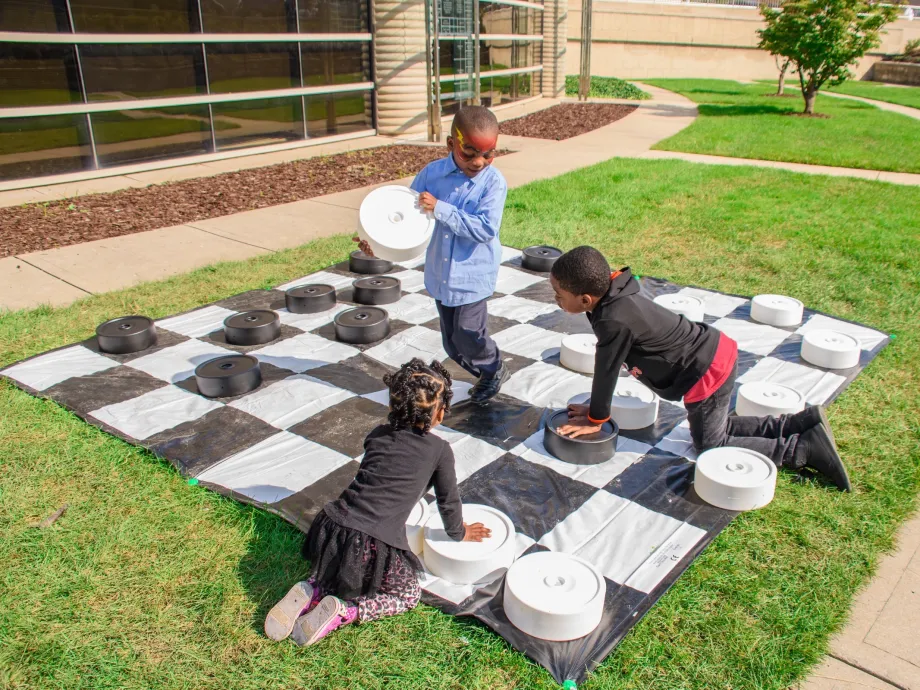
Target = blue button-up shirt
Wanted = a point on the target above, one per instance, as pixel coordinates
(461, 266)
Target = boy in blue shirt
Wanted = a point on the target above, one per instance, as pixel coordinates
(467, 197)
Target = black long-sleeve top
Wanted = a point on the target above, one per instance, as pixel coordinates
(398, 468)
(663, 350)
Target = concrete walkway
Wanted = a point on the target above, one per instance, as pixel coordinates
(881, 105)
(880, 646)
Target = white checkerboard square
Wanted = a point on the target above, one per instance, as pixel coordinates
(510, 280)
(309, 322)
(304, 352)
(417, 341)
(197, 323)
(413, 308)
(519, 308)
(470, 453)
(581, 526)
(410, 281)
(510, 253)
(679, 442)
(339, 282)
(545, 385)
(598, 476)
(529, 341)
(461, 390)
(177, 363)
(44, 371)
(275, 468)
(867, 337)
(291, 400)
(757, 338)
(412, 263)
(156, 411)
(816, 385)
(714, 303)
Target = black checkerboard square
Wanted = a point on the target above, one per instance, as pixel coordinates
(343, 426)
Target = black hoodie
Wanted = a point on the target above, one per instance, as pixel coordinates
(665, 351)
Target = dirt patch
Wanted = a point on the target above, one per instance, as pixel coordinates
(783, 95)
(813, 116)
(566, 120)
(36, 227)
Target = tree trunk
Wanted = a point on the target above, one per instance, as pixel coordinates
(781, 86)
(810, 94)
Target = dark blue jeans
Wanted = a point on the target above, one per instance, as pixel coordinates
(465, 334)
(711, 427)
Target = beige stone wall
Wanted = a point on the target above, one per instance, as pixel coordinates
(638, 40)
(399, 66)
(555, 54)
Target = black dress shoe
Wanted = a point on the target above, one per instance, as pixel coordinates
(486, 389)
(816, 447)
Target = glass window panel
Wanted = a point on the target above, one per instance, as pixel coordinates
(494, 55)
(506, 19)
(248, 16)
(33, 15)
(134, 136)
(135, 16)
(35, 146)
(38, 75)
(125, 72)
(333, 16)
(326, 64)
(258, 123)
(494, 91)
(339, 113)
(235, 67)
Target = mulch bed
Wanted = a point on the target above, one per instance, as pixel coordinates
(566, 120)
(815, 116)
(35, 227)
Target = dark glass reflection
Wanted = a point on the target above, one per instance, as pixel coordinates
(134, 136)
(337, 114)
(506, 19)
(125, 72)
(33, 15)
(33, 74)
(333, 16)
(135, 16)
(326, 64)
(36, 146)
(248, 16)
(258, 123)
(235, 67)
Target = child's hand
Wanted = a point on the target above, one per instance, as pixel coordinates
(578, 410)
(476, 532)
(579, 426)
(427, 202)
(363, 246)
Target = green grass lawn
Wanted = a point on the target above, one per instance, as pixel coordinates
(744, 121)
(148, 582)
(606, 87)
(900, 95)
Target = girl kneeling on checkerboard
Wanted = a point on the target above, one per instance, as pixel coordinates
(362, 567)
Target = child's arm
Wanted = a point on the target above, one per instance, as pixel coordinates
(448, 495)
(609, 357)
(481, 226)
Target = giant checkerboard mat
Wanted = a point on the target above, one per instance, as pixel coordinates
(296, 442)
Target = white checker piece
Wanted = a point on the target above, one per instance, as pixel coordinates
(275, 468)
(44, 371)
(291, 400)
(815, 384)
(714, 304)
(156, 411)
(867, 337)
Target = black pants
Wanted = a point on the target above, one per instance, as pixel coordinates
(465, 333)
(711, 427)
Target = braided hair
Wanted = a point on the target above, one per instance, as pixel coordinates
(417, 391)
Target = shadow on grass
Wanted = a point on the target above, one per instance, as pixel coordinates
(710, 110)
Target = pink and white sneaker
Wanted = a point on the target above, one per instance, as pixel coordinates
(331, 613)
(280, 620)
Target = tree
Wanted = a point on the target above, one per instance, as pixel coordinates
(782, 64)
(823, 38)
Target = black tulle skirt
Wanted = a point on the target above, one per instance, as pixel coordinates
(348, 562)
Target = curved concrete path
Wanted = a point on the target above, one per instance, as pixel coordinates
(881, 105)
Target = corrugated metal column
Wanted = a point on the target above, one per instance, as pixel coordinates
(555, 27)
(584, 77)
(400, 65)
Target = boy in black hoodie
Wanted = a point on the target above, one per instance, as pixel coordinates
(678, 359)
